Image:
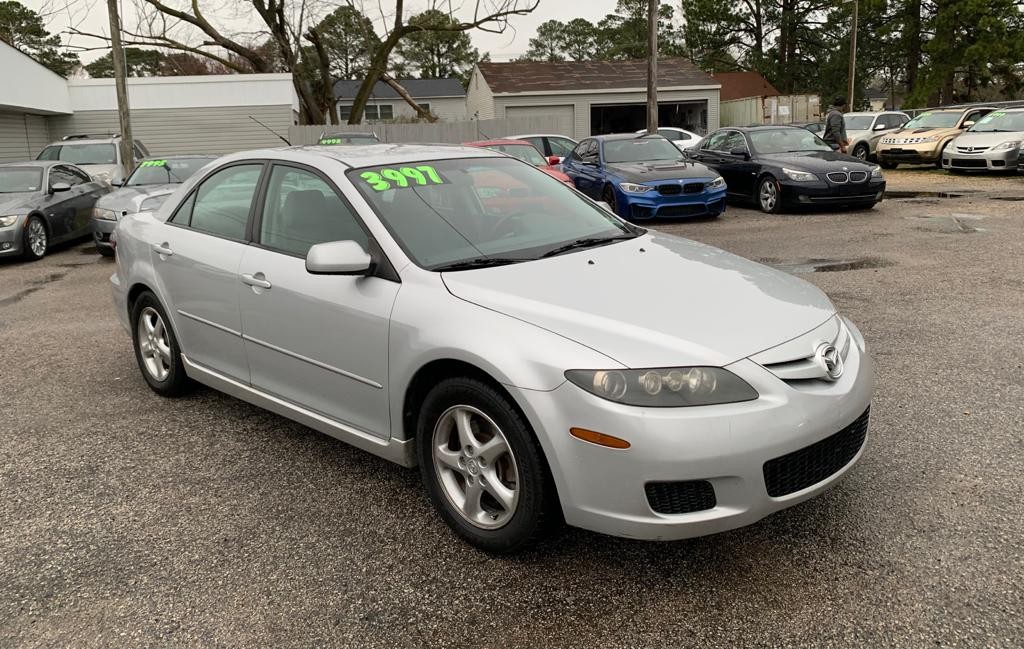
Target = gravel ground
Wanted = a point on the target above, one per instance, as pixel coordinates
(130, 520)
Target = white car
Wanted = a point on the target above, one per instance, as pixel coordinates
(680, 137)
(550, 144)
(539, 358)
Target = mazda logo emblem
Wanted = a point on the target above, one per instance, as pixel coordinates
(830, 361)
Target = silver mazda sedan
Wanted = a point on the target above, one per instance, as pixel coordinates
(540, 359)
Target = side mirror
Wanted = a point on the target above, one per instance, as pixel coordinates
(969, 123)
(879, 127)
(554, 160)
(338, 258)
(740, 153)
(59, 187)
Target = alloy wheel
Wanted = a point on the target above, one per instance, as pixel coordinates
(37, 237)
(475, 467)
(860, 152)
(154, 344)
(769, 194)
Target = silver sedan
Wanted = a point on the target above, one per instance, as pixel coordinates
(538, 358)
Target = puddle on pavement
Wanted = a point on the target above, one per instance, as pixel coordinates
(826, 265)
(927, 194)
(1008, 198)
(33, 286)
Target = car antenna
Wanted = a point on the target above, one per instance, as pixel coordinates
(283, 138)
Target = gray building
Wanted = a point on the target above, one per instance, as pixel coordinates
(198, 114)
(594, 97)
(445, 98)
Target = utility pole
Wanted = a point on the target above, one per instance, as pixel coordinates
(652, 66)
(117, 57)
(853, 58)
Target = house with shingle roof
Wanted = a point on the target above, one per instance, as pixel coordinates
(594, 97)
(444, 97)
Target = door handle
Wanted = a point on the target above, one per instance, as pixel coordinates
(258, 280)
(163, 249)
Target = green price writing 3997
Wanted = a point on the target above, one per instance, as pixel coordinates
(384, 179)
(153, 163)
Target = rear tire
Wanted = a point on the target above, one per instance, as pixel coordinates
(482, 467)
(156, 348)
(861, 151)
(35, 239)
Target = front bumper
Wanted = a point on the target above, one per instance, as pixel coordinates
(11, 239)
(604, 489)
(1005, 160)
(652, 205)
(909, 153)
(824, 193)
(101, 231)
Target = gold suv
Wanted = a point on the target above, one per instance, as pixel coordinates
(922, 139)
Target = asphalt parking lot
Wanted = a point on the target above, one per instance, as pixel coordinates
(131, 520)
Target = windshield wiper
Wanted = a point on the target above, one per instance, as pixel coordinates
(478, 262)
(587, 242)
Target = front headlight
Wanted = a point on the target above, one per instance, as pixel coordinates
(633, 188)
(6, 221)
(666, 387)
(930, 138)
(876, 172)
(104, 214)
(1006, 146)
(717, 183)
(799, 176)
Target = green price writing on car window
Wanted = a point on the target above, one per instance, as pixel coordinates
(153, 163)
(384, 179)
(331, 140)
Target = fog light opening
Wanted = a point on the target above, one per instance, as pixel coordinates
(600, 439)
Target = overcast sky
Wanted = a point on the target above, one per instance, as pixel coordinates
(91, 16)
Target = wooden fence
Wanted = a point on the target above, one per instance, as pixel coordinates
(784, 109)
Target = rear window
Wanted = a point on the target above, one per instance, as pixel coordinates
(525, 152)
(81, 154)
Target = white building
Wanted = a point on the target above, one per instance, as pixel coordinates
(445, 98)
(594, 97)
(200, 114)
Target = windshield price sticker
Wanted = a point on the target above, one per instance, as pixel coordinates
(153, 163)
(384, 179)
(331, 140)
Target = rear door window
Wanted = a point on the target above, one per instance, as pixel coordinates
(560, 146)
(223, 201)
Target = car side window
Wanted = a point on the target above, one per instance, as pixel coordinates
(79, 174)
(302, 210)
(734, 140)
(669, 134)
(717, 141)
(560, 146)
(581, 148)
(62, 175)
(222, 203)
(535, 141)
(974, 116)
(183, 215)
(591, 153)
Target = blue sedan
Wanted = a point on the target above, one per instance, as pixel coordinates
(644, 177)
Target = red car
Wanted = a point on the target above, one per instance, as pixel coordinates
(527, 153)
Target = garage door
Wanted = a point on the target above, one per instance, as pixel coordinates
(549, 119)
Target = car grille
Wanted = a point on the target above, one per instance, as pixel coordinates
(812, 464)
(975, 163)
(670, 190)
(971, 150)
(682, 210)
(680, 497)
(902, 140)
(838, 176)
(858, 176)
(693, 188)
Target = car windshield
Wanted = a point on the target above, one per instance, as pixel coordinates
(934, 120)
(349, 138)
(999, 122)
(525, 152)
(858, 122)
(81, 154)
(482, 211)
(640, 149)
(20, 179)
(163, 172)
(786, 140)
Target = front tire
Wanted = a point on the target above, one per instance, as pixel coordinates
(608, 196)
(35, 239)
(887, 165)
(482, 467)
(769, 195)
(156, 348)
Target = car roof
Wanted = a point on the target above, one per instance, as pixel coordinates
(762, 127)
(510, 142)
(611, 137)
(872, 113)
(962, 109)
(179, 156)
(522, 135)
(366, 155)
(42, 164)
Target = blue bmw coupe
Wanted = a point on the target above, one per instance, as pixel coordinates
(644, 177)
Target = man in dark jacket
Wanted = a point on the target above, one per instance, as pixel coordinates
(835, 127)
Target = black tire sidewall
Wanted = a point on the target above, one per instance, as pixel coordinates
(177, 382)
(531, 520)
(26, 249)
(614, 203)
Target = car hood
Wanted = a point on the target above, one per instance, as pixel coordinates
(925, 132)
(18, 202)
(129, 199)
(818, 161)
(641, 172)
(988, 139)
(653, 301)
